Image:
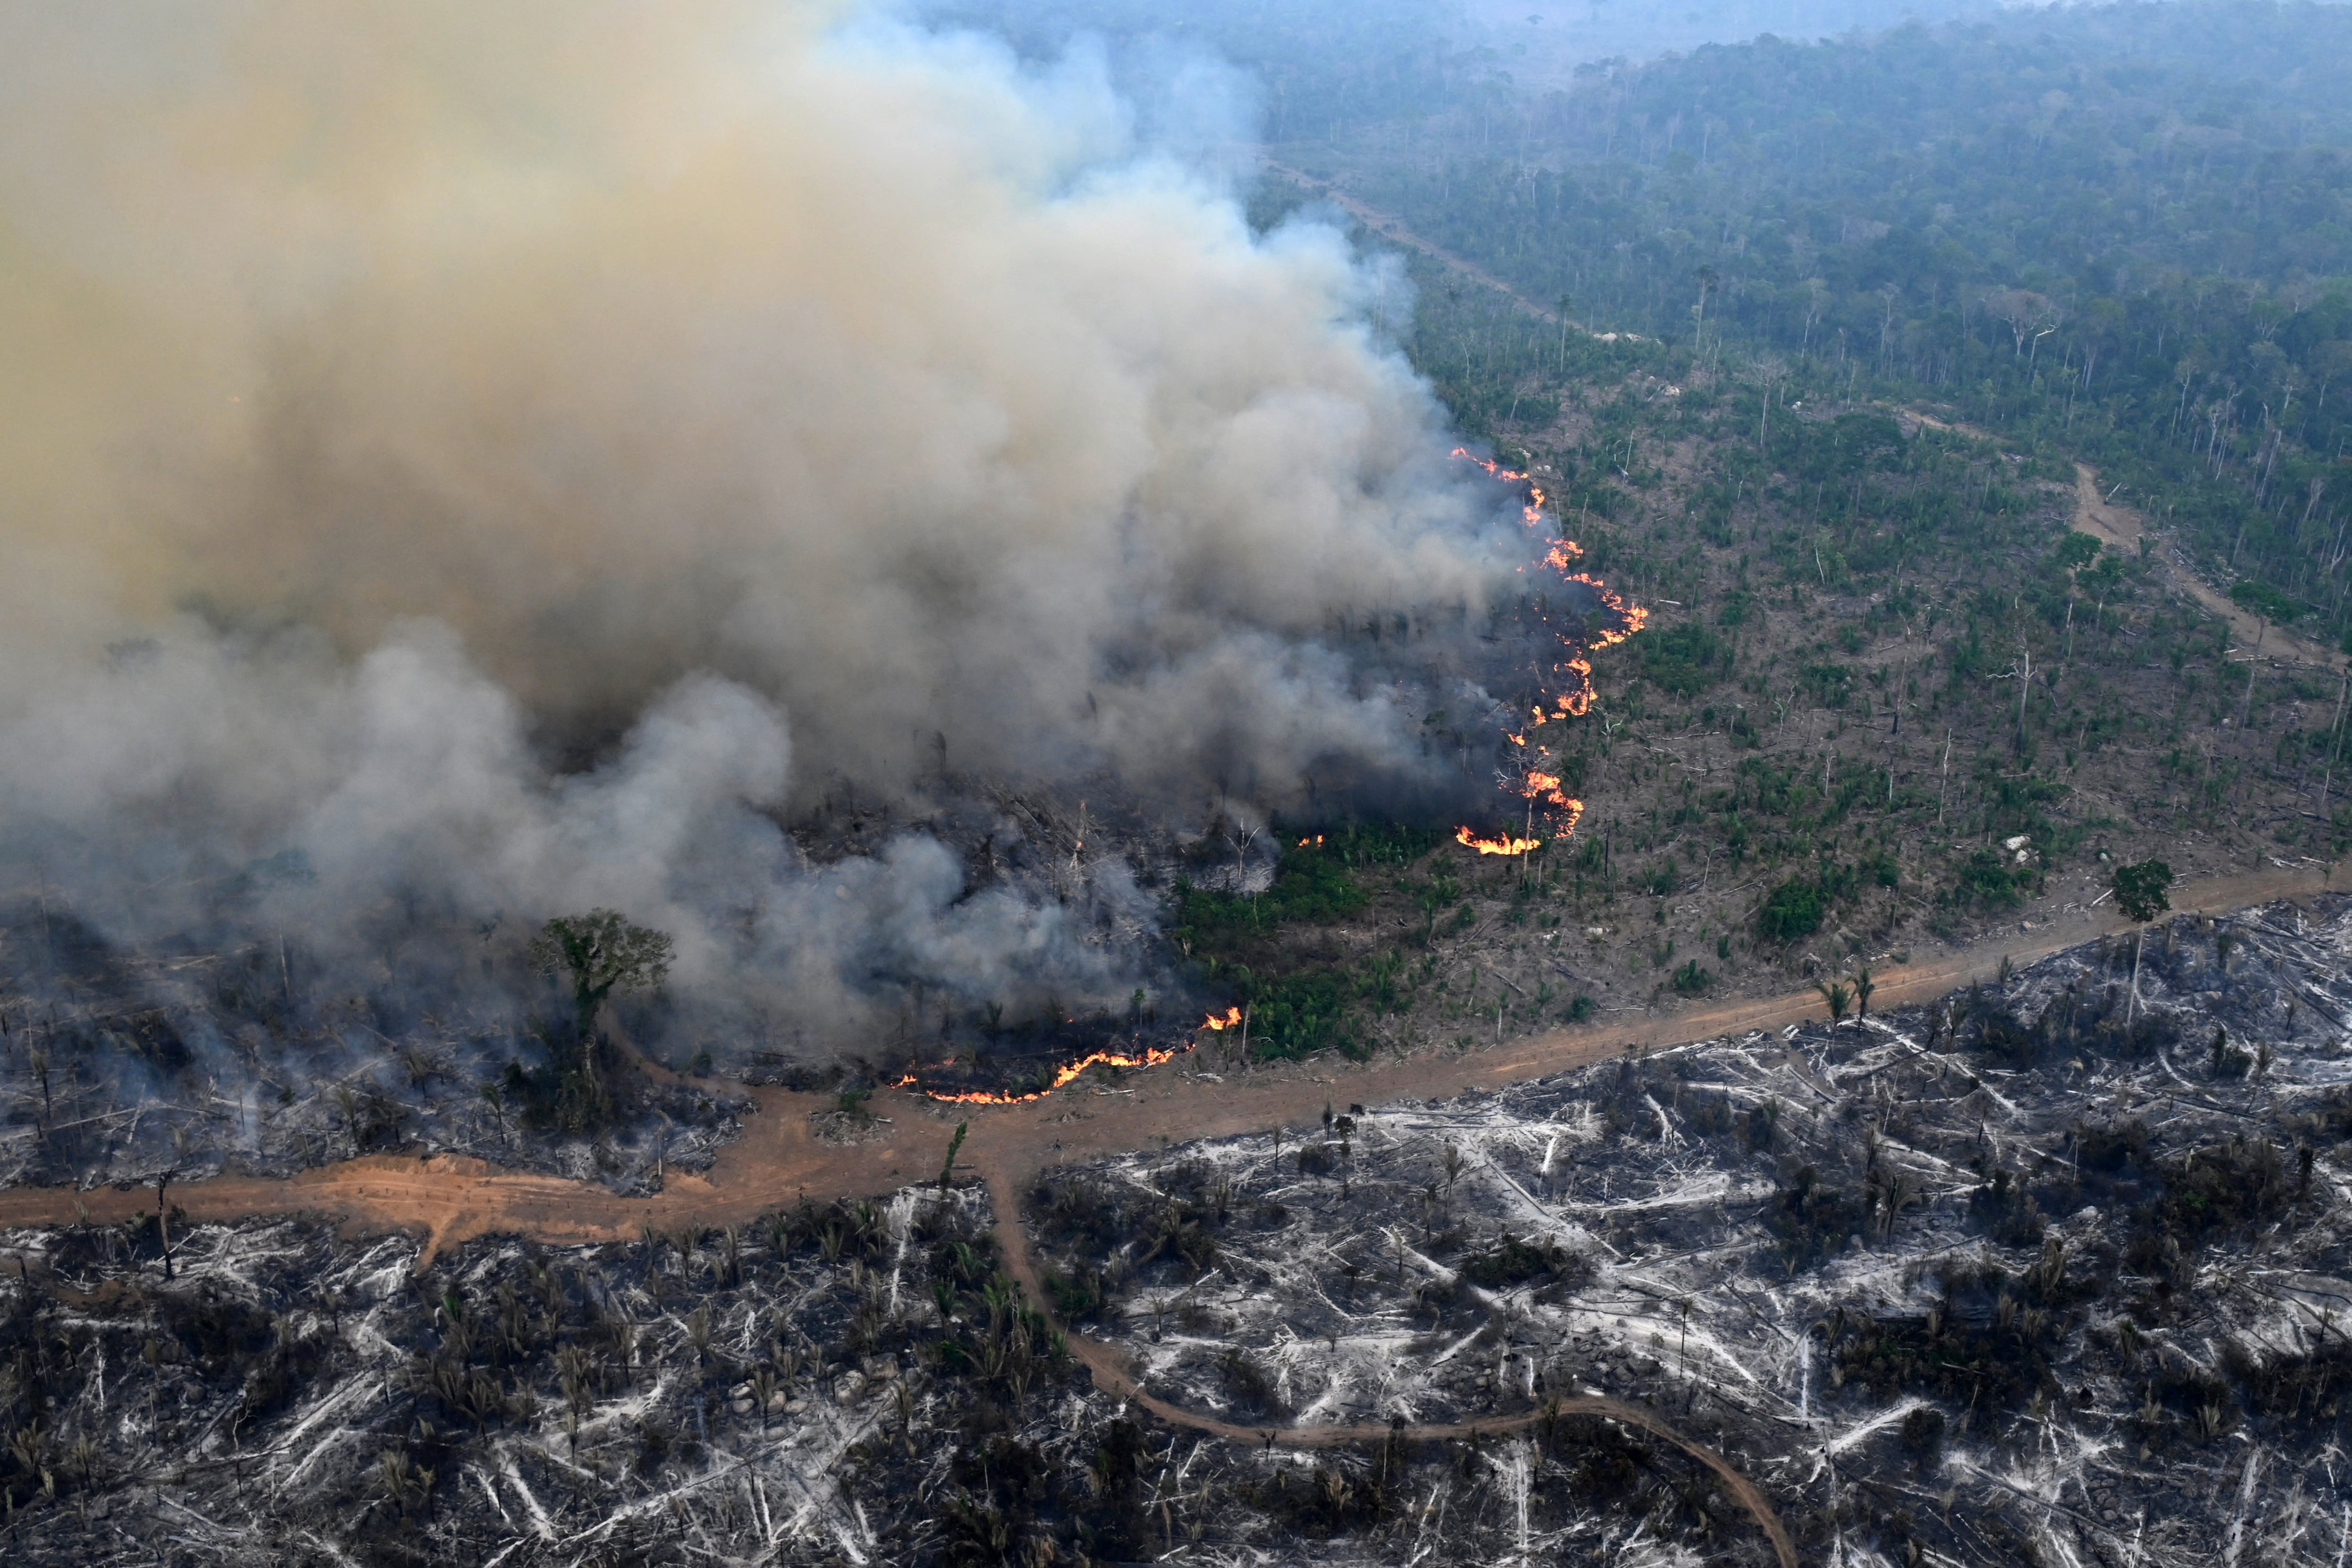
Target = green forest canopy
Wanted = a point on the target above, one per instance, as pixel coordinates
(2122, 232)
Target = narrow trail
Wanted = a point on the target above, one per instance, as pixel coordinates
(1395, 230)
(778, 1161)
(1112, 1376)
(2122, 528)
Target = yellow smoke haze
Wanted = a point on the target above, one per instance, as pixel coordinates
(867, 368)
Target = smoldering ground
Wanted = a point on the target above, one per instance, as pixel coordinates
(465, 464)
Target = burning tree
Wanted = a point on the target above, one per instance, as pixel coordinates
(601, 953)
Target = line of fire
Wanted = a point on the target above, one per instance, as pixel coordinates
(1548, 811)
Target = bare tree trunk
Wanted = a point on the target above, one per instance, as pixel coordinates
(2131, 1008)
(1944, 778)
(2328, 776)
(586, 1029)
(2024, 687)
(2246, 703)
(162, 1225)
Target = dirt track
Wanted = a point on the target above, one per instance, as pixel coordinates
(2122, 527)
(1112, 1376)
(1395, 230)
(2093, 513)
(777, 1161)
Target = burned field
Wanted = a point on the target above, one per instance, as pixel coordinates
(2038, 1273)
(125, 1064)
(810, 1389)
(859, 1383)
(241, 1048)
(2031, 1275)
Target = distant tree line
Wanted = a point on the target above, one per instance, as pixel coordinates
(2123, 232)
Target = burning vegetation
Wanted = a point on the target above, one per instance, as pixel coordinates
(123, 1066)
(1610, 622)
(1265, 719)
(583, 597)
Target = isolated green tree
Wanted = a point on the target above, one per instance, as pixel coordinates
(1790, 910)
(2140, 892)
(601, 954)
(946, 1166)
(2263, 600)
(1835, 994)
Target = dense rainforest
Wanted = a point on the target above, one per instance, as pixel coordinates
(2123, 231)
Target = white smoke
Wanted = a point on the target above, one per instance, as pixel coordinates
(516, 456)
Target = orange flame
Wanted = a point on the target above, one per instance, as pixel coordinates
(1532, 513)
(1231, 1020)
(1506, 845)
(1564, 811)
(1317, 841)
(1063, 1076)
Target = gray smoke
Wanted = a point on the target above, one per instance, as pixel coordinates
(468, 462)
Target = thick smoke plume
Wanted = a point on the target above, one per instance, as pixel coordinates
(465, 462)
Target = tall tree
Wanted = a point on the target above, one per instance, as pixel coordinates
(601, 953)
(2140, 893)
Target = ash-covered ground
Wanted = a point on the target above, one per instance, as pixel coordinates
(287, 1396)
(119, 1064)
(858, 1383)
(237, 1050)
(248, 1053)
(2003, 1279)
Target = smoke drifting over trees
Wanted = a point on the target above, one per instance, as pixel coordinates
(462, 466)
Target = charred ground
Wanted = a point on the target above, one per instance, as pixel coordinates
(1998, 1279)
(2007, 1279)
(192, 1059)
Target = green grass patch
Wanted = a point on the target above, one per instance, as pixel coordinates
(1300, 1007)
(1314, 881)
(1988, 880)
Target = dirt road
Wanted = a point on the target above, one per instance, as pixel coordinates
(2093, 513)
(2123, 527)
(1112, 1376)
(777, 1161)
(1394, 229)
